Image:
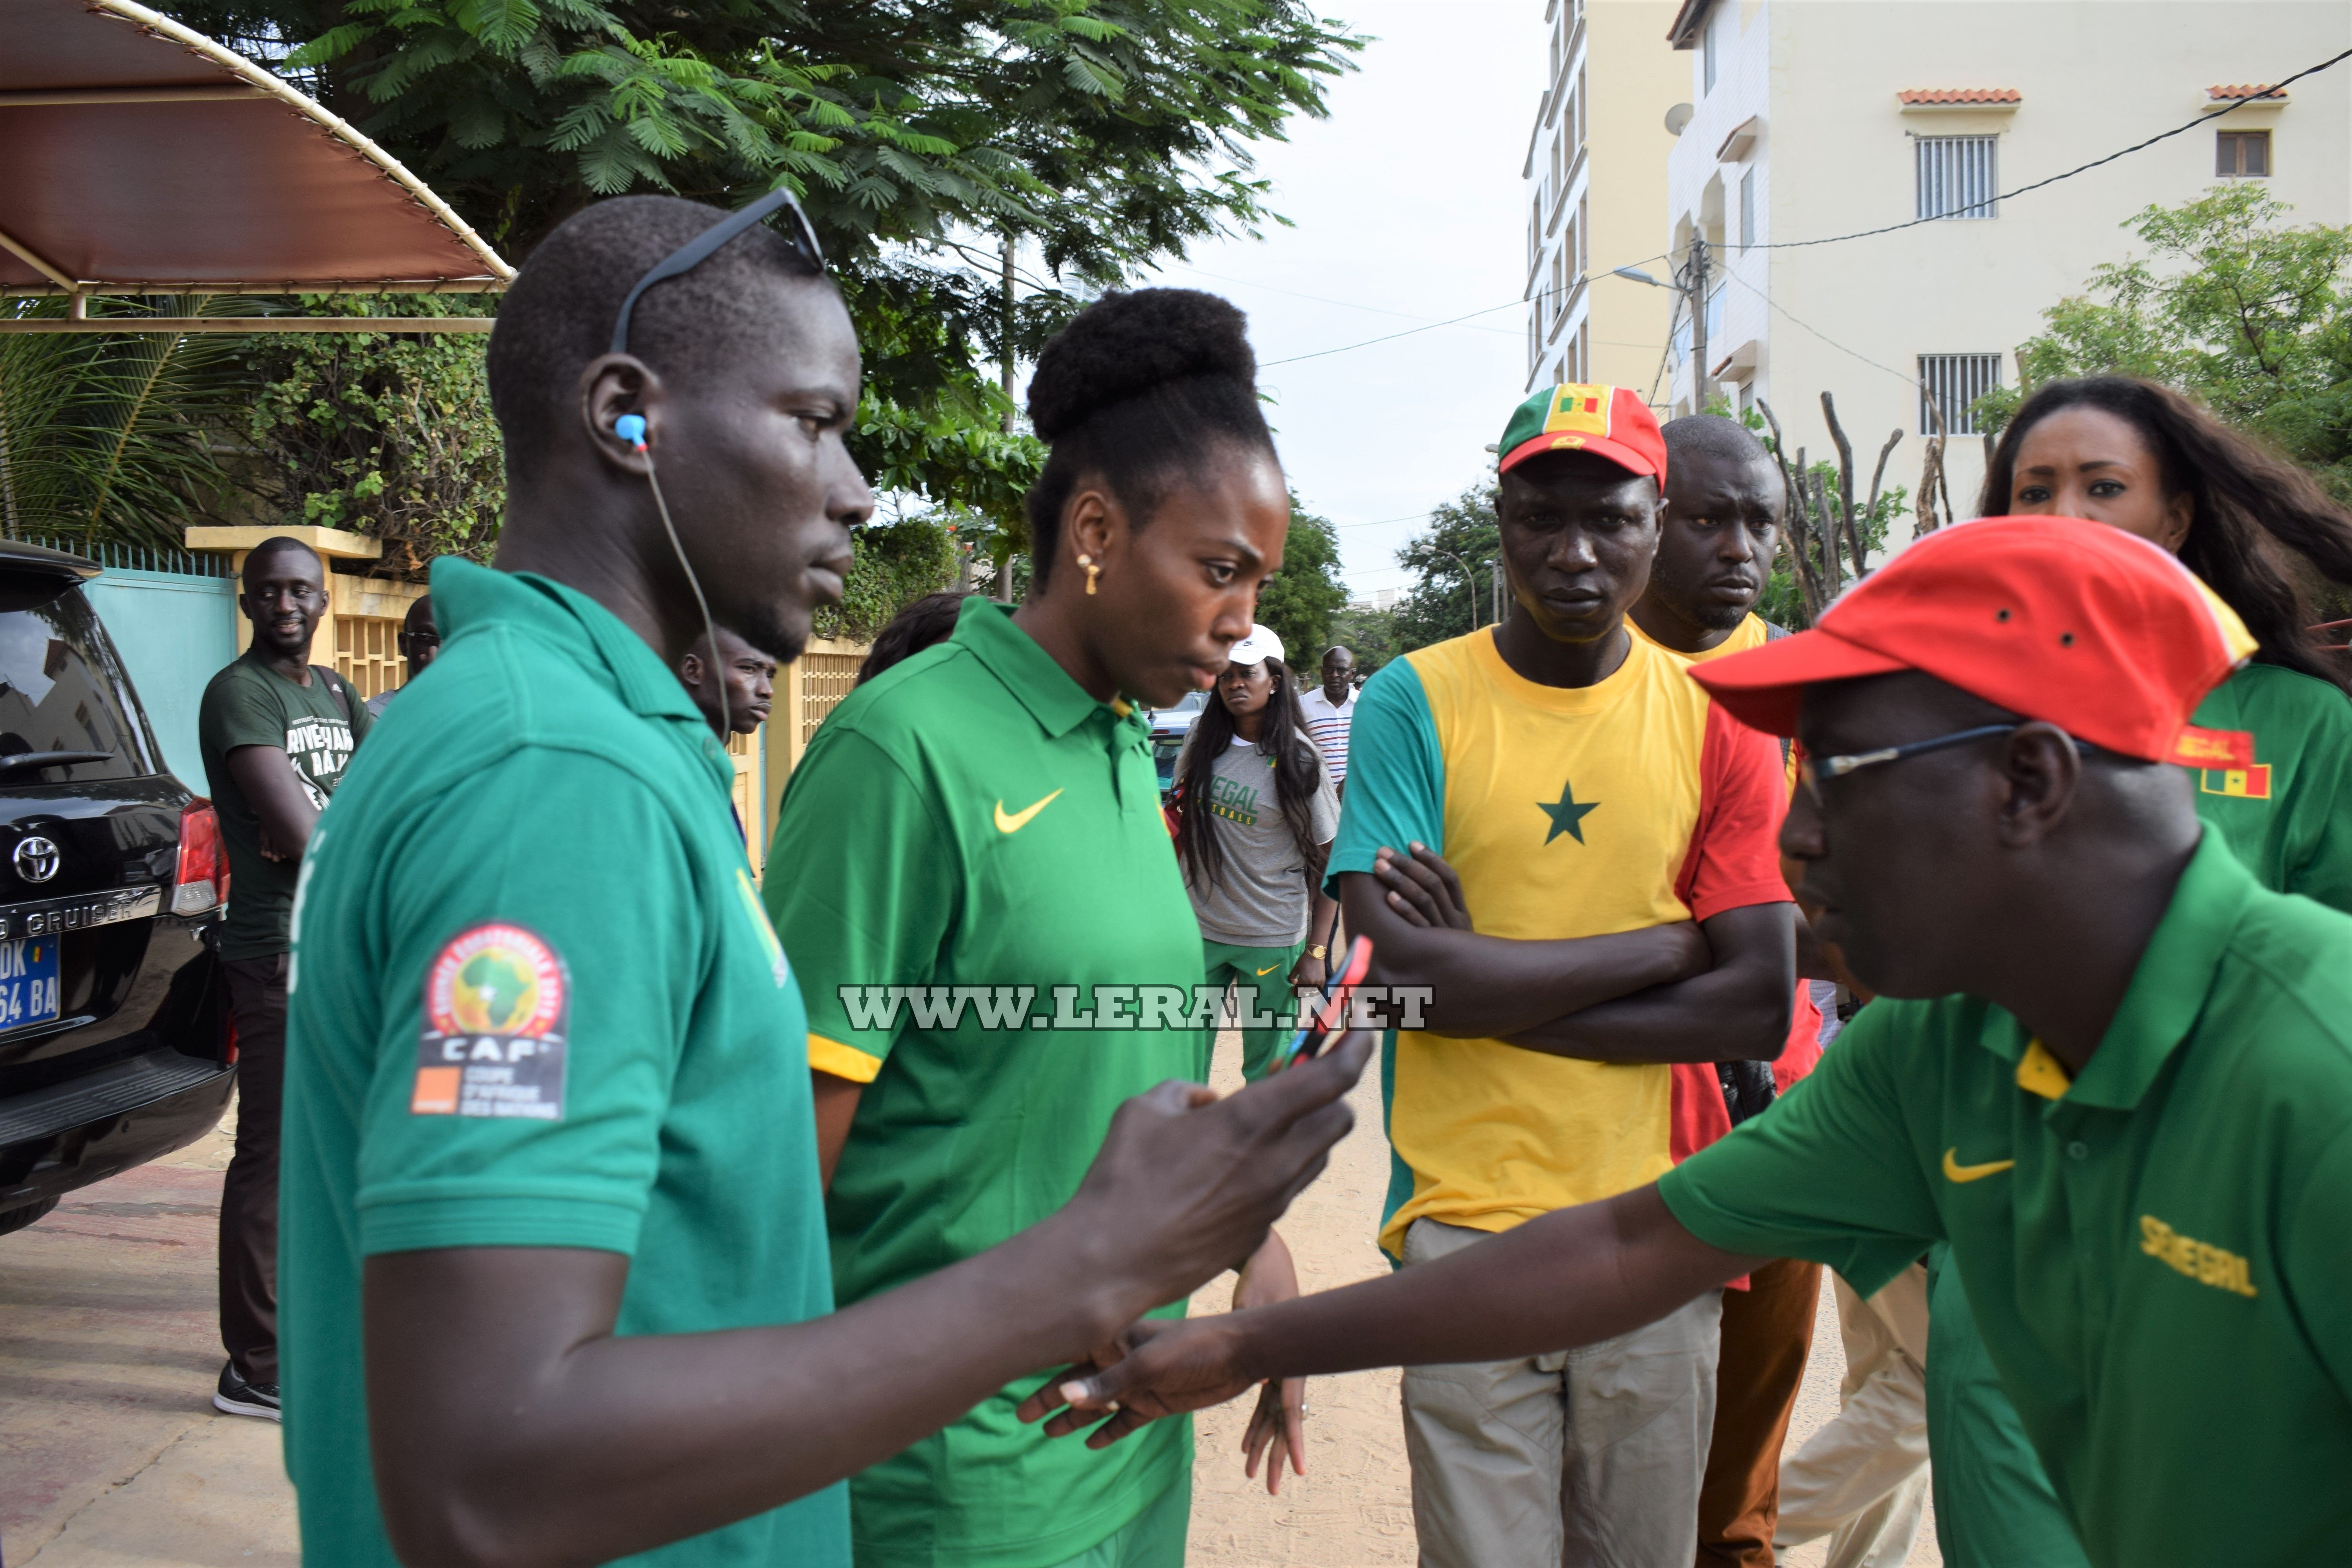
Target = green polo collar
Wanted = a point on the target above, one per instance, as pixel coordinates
(600, 642)
(1058, 703)
(2167, 989)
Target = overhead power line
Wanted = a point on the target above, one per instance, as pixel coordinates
(2203, 117)
(1409, 331)
(1322, 298)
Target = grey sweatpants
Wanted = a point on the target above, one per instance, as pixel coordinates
(1585, 1458)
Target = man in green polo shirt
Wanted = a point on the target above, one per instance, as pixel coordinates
(555, 1284)
(2121, 1085)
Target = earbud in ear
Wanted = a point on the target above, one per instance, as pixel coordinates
(630, 427)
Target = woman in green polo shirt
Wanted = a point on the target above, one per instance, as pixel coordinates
(2146, 459)
(971, 875)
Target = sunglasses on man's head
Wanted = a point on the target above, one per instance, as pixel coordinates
(700, 249)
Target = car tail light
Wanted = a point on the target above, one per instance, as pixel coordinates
(202, 884)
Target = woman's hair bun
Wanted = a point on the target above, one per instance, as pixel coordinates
(1126, 343)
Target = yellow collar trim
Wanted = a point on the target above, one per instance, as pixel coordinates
(2038, 1072)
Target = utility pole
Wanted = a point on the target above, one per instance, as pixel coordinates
(1495, 590)
(1699, 386)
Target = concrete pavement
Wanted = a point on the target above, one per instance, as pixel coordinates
(110, 1452)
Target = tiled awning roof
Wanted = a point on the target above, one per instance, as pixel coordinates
(1924, 96)
(2257, 90)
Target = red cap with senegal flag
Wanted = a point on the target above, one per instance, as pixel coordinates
(2077, 624)
(1611, 421)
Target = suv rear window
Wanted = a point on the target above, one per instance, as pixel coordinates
(63, 688)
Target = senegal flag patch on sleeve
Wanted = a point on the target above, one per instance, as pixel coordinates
(2250, 782)
(497, 1002)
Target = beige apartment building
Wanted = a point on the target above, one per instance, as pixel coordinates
(1596, 180)
(1813, 119)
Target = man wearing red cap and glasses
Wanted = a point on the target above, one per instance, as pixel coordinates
(2118, 1079)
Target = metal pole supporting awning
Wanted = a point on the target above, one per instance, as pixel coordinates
(142, 158)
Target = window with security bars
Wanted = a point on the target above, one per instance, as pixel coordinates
(1958, 176)
(1954, 383)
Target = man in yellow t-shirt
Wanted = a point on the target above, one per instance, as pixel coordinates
(1600, 812)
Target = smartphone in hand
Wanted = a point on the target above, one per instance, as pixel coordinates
(1328, 1020)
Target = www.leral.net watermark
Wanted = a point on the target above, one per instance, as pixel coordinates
(1007, 1007)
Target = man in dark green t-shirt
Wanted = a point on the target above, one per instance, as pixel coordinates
(277, 732)
(556, 1284)
(2106, 1065)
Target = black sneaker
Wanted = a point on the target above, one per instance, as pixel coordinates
(239, 1397)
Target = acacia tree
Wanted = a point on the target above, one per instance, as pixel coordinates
(2235, 306)
(1105, 134)
(918, 132)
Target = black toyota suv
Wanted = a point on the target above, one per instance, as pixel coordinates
(114, 1040)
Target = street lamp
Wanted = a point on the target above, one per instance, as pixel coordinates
(1694, 295)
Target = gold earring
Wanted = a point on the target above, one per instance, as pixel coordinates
(1093, 573)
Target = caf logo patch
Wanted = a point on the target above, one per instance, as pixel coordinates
(497, 1002)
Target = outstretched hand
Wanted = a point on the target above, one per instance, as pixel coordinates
(1277, 1427)
(1157, 1367)
(1187, 1184)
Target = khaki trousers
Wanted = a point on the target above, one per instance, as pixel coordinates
(1585, 1458)
(1862, 1479)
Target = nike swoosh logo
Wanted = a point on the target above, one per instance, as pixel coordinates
(1014, 821)
(1268, 970)
(1956, 1172)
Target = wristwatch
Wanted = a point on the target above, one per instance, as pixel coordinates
(1316, 952)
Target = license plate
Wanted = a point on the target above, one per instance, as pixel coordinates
(28, 980)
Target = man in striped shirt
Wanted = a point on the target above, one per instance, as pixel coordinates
(1329, 709)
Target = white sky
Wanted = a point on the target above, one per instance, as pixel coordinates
(1409, 209)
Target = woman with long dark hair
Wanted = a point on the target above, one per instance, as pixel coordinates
(2256, 528)
(1258, 815)
(979, 825)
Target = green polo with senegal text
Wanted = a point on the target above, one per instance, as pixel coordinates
(535, 840)
(2155, 1250)
(973, 817)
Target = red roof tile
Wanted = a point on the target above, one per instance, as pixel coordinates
(2243, 89)
(1925, 95)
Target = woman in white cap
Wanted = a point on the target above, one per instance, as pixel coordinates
(1258, 818)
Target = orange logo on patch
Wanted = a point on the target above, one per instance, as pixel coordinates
(1584, 408)
(436, 1092)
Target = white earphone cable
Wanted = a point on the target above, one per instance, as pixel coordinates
(710, 663)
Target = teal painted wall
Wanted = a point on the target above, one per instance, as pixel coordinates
(175, 633)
